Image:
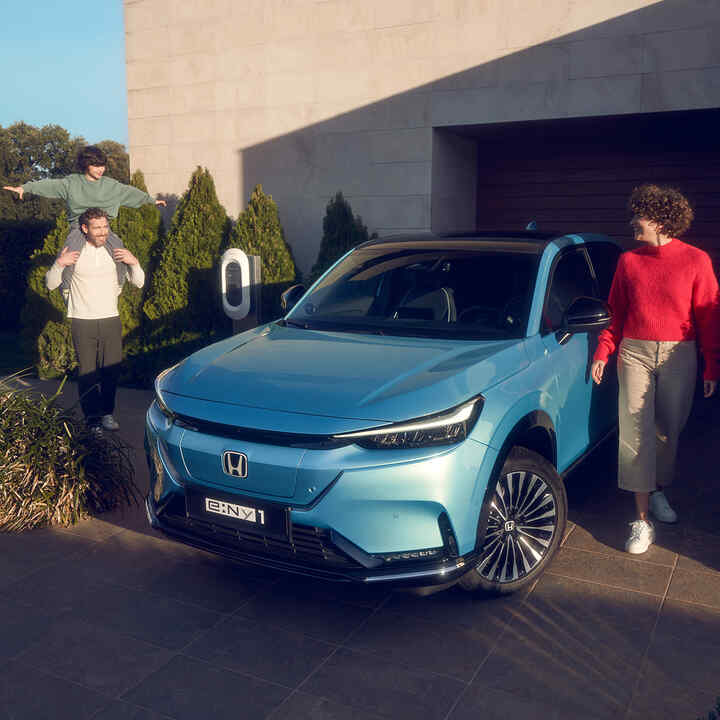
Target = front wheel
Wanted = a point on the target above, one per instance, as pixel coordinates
(526, 514)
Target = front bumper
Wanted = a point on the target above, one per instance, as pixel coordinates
(308, 551)
(375, 516)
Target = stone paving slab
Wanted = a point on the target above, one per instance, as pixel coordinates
(108, 620)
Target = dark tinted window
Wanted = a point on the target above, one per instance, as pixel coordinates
(571, 279)
(604, 257)
(442, 289)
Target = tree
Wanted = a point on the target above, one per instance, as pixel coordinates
(258, 232)
(183, 301)
(118, 161)
(45, 330)
(342, 231)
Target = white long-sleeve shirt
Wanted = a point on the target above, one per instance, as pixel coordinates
(94, 287)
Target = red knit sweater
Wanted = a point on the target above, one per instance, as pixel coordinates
(661, 293)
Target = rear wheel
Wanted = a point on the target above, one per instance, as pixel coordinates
(526, 514)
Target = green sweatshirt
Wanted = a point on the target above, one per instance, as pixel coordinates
(79, 193)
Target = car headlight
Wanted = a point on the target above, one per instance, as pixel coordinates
(159, 400)
(446, 428)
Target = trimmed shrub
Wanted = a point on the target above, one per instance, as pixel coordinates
(258, 232)
(142, 232)
(183, 300)
(45, 329)
(342, 231)
(55, 471)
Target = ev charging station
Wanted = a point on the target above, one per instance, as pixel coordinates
(241, 288)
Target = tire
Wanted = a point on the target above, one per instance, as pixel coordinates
(526, 510)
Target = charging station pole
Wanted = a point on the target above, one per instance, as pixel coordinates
(241, 288)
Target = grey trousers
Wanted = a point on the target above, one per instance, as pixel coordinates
(657, 383)
(98, 344)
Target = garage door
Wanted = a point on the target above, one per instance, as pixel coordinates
(577, 174)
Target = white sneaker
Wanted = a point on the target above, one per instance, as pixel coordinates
(642, 536)
(660, 508)
(109, 422)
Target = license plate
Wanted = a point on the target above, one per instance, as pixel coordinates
(238, 513)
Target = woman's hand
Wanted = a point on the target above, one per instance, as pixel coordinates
(597, 370)
(709, 387)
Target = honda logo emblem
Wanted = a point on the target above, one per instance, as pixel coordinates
(235, 464)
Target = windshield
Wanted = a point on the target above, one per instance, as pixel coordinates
(439, 289)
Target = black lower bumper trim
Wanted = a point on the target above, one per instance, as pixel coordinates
(422, 575)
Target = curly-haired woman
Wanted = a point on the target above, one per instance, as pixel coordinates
(664, 297)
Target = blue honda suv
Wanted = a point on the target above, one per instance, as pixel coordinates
(409, 420)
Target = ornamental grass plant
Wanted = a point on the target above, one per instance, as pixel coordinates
(53, 469)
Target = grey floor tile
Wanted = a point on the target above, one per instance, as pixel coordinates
(27, 694)
(313, 614)
(94, 657)
(153, 618)
(447, 649)
(619, 572)
(300, 706)
(95, 528)
(687, 621)
(188, 689)
(363, 681)
(568, 602)
(265, 651)
(118, 710)
(578, 668)
(459, 607)
(21, 626)
(609, 539)
(699, 552)
(494, 704)
(206, 581)
(23, 553)
(695, 587)
(365, 595)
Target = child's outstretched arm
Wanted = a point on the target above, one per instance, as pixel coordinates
(56, 189)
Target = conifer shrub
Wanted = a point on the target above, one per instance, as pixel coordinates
(45, 330)
(55, 471)
(142, 232)
(182, 306)
(258, 232)
(342, 231)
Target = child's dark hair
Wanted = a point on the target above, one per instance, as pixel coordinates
(91, 155)
(667, 207)
(91, 214)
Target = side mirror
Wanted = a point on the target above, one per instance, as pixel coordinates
(289, 298)
(585, 314)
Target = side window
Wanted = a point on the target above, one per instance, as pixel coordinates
(604, 257)
(571, 279)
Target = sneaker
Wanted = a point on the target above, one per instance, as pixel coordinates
(660, 508)
(642, 536)
(109, 422)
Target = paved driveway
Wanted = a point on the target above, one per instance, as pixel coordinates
(109, 620)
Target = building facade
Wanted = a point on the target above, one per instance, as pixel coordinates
(430, 114)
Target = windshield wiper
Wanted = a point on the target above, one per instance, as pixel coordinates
(294, 323)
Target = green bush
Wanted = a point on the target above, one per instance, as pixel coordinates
(183, 299)
(342, 231)
(713, 714)
(258, 232)
(55, 471)
(142, 233)
(45, 329)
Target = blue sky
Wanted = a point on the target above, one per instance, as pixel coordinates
(63, 63)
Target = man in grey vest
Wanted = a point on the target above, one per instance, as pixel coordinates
(93, 275)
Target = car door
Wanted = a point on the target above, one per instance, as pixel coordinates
(604, 258)
(569, 357)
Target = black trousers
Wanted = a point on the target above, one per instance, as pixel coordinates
(98, 345)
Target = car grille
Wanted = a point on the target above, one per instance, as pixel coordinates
(309, 545)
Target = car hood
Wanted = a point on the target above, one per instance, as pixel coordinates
(343, 375)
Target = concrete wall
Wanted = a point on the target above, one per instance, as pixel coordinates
(313, 96)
